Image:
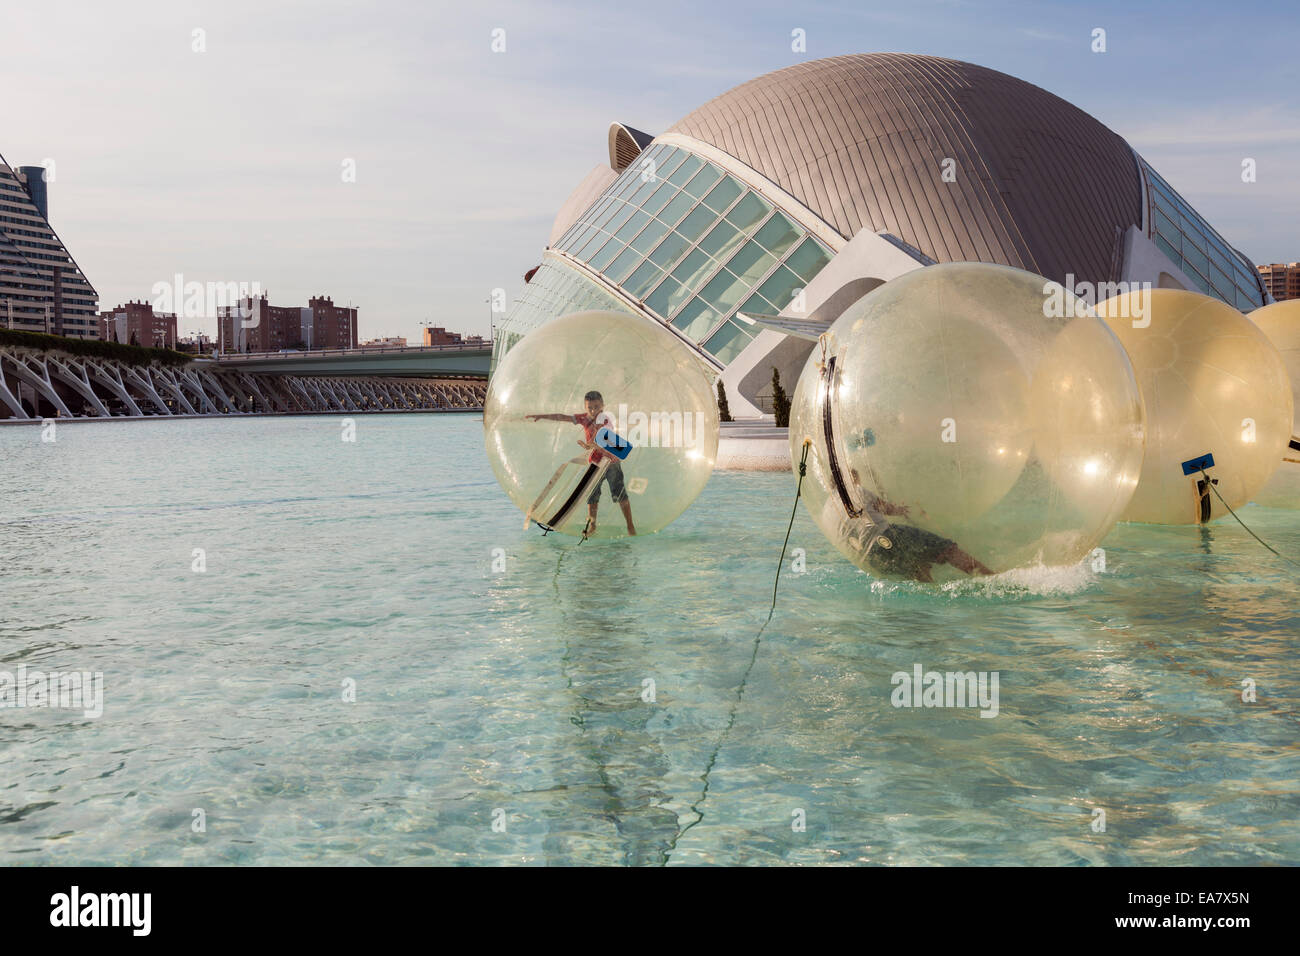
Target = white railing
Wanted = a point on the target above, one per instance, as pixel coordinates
(373, 350)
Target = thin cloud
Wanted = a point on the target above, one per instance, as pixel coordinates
(1255, 125)
(1034, 34)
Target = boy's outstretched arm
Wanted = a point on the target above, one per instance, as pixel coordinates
(550, 418)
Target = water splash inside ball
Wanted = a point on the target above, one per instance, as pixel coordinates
(966, 419)
(601, 423)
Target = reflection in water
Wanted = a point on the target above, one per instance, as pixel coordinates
(606, 658)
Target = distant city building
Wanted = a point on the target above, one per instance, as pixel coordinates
(257, 326)
(195, 343)
(1282, 279)
(335, 327)
(41, 287)
(136, 323)
(391, 342)
(440, 336)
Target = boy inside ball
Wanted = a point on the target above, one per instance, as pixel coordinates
(903, 549)
(592, 420)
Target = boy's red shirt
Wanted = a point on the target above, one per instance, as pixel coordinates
(590, 425)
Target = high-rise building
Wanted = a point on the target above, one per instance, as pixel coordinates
(257, 326)
(1282, 279)
(41, 287)
(136, 323)
(792, 195)
(333, 326)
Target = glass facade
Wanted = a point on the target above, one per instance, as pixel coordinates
(555, 290)
(1194, 246)
(694, 245)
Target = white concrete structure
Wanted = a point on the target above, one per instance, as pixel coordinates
(36, 385)
(869, 260)
(752, 446)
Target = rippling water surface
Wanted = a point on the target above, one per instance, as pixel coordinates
(510, 686)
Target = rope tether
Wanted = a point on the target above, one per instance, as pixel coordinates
(1209, 484)
(740, 689)
(803, 470)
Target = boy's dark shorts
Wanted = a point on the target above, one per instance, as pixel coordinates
(912, 549)
(617, 491)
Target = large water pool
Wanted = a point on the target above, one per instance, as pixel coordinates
(523, 699)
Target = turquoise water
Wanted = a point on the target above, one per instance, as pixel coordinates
(516, 695)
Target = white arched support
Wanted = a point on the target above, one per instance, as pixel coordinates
(111, 388)
(74, 376)
(30, 368)
(111, 379)
(162, 379)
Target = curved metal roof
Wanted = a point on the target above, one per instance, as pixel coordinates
(861, 141)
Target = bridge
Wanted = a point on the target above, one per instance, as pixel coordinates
(37, 383)
(416, 361)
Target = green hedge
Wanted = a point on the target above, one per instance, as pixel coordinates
(130, 354)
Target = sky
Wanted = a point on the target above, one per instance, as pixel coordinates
(213, 139)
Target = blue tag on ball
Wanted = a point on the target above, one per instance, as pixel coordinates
(610, 441)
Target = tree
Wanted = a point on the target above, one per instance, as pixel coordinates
(780, 402)
(724, 413)
(134, 340)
